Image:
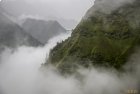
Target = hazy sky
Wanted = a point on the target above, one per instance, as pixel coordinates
(67, 9)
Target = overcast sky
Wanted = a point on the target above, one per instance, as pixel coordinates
(67, 9)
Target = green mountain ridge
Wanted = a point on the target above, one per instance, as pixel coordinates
(105, 39)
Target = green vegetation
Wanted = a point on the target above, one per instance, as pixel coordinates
(102, 39)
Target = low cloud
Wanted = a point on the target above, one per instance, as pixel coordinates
(66, 9)
(106, 6)
(20, 73)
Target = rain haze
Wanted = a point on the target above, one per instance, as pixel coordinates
(43, 51)
(65, 11)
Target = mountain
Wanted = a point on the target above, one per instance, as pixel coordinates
(41, 29)
(12, 35)
(21, 9)
(107, 36)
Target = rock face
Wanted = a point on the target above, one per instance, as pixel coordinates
(101, 38)
(12, 35)
(42, 30)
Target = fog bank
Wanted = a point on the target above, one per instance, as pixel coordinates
(20, 73)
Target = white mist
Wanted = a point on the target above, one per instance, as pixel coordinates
(20, 74)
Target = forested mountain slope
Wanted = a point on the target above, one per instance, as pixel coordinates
(107, 36)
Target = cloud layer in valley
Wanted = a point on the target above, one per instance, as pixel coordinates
(20, 73)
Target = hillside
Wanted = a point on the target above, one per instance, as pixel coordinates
(106, 36)
(41, 29)
(12, 35)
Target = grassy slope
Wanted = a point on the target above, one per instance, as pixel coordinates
(102, 39)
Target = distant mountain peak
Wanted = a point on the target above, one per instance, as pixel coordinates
(12, 35)
(41, 29)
